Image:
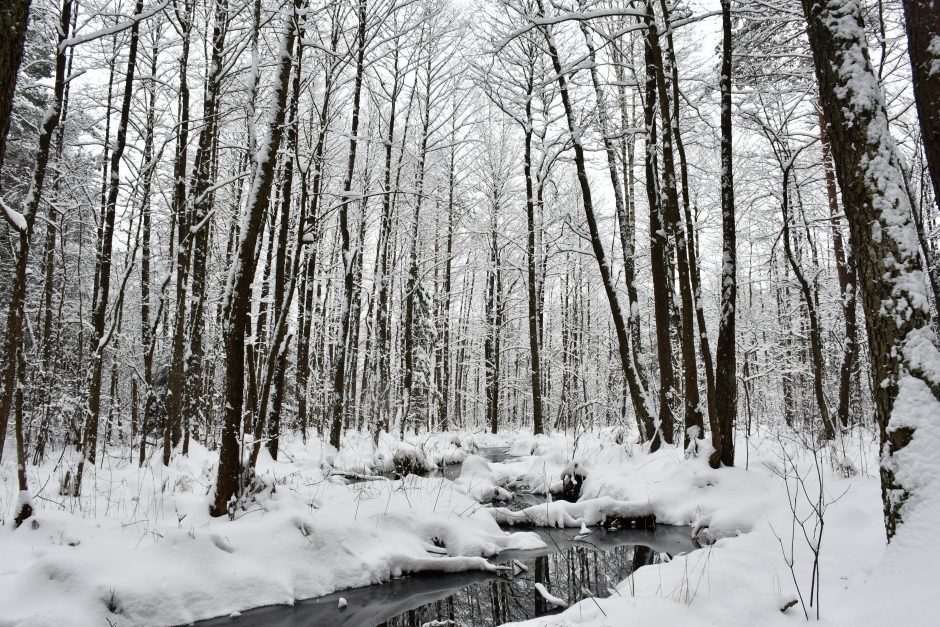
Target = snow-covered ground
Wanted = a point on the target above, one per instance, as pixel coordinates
(140, 548)
(745, 517)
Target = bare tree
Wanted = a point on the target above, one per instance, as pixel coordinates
(98, 338)
(241, 273)
(726, 384)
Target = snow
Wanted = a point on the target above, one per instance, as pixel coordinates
(15, 218)
(143, 545)
(548, 596)
(140, 547)
(901, 590)
(739, 577)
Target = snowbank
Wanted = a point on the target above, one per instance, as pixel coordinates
(742, 576)
(139, 547)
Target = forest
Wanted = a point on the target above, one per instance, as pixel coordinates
(469, 312)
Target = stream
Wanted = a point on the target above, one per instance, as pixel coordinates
(569, 568)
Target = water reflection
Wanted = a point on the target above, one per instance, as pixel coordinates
(570, 569)
(574, 571)
(570, 566)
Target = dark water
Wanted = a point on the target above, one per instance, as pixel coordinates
(569, 568)
(572, 570)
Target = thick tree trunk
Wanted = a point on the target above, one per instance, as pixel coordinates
(694, 278)
(922, 18)
(14, 17)
(412, 284)
(894, 297)
(660, 269)
(694, 421)
(286, 270)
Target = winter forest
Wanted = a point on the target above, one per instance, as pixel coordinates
(469, 312)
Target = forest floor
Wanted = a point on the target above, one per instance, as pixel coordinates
(140, 548)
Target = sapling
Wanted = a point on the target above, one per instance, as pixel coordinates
(802, 491)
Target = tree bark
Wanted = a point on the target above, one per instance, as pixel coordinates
(922, 18)
(176, 377)
(348, 255)
(845, 270)
(642, 405)
(412, 284)
(491, 342)
(193, 405)
(726, 385)
(694, 278)
(531, 275)
(663, 429)
(694, 421)
(14, 17)
(877, 207)
(238, 286)
(98, 340)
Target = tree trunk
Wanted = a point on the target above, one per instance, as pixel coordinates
(14, 17)
(202, 198)
(642, 404)
(491, 342)
(726, 385)
(660, 269)
(845, 270)
(286, 269)
(238, 286)
(311, 236)
(531, 275)
(620, 206)
(412, 283)
(694, 278)
(445, 364)
(694, 421)
(147, 340)
(176, 377)
(98, 340)
(348, 255)
(383, 338)
(922, 18)
(878, 210)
